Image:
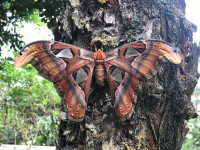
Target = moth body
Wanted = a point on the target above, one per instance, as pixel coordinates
(99, 73)
(99, 57)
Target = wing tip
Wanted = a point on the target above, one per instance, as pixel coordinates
(76, 114)
(17, 62)
(125, 114)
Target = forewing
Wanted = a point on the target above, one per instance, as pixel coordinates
(136, 61)
(69, 67)
(155, 53)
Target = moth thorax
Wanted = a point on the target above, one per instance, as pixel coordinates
(100, 73)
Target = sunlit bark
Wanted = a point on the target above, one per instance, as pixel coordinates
(163, 102)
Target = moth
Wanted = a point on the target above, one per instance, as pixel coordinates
(71, 68)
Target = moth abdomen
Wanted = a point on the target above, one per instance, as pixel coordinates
(100, 73)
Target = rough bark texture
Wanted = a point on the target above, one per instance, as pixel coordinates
(163, 103)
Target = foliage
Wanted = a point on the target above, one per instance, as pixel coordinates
(14, 12)
(28, 106)
(192, 141)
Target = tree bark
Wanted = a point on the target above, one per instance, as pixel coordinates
(163, 102)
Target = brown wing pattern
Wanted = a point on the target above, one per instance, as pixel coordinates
(69, 67)
(136, 67)
(156, 52)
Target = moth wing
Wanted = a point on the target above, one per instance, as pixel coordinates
(70, 68)
(134, 62)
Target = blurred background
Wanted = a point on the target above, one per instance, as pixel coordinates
(28, 113)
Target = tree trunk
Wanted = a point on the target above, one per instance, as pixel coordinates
(163, 102)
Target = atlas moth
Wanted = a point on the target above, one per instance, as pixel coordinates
(71, 68)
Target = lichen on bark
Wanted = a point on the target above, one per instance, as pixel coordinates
(163, 102)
